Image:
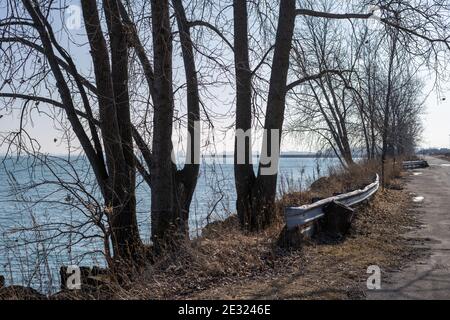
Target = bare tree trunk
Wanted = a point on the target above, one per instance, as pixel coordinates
(267, 184)
(114, 182)
(172, 190)
(112, 95)
(243, 172)
(165, 214)
(259, 212)
(119, 75)
(387, 110)
(187, 177)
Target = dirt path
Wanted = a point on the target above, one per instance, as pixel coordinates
(428, 278)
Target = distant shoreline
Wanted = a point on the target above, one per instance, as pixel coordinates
(281, 156)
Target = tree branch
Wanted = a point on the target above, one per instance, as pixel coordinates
(312, 77)
(346, 16)
(213, 28)
(46, 100)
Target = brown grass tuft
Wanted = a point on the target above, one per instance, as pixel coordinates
(226, 263)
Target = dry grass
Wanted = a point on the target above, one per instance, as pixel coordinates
(226, 263)
(340, 181)
(331, 271)
(443, 156)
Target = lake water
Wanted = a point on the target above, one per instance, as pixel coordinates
(40, 212)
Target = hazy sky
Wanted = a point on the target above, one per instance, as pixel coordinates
(436, 122)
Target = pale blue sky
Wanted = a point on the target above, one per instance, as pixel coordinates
(436, 122)
(435, 119)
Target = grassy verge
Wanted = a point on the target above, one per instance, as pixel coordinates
(443, 156)
(226, 263)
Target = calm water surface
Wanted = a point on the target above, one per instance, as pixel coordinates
(39, 217)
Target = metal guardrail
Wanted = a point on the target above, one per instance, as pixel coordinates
(415, 164)
(297, 216)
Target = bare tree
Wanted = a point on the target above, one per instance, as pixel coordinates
(256, 193)
(101, 110)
